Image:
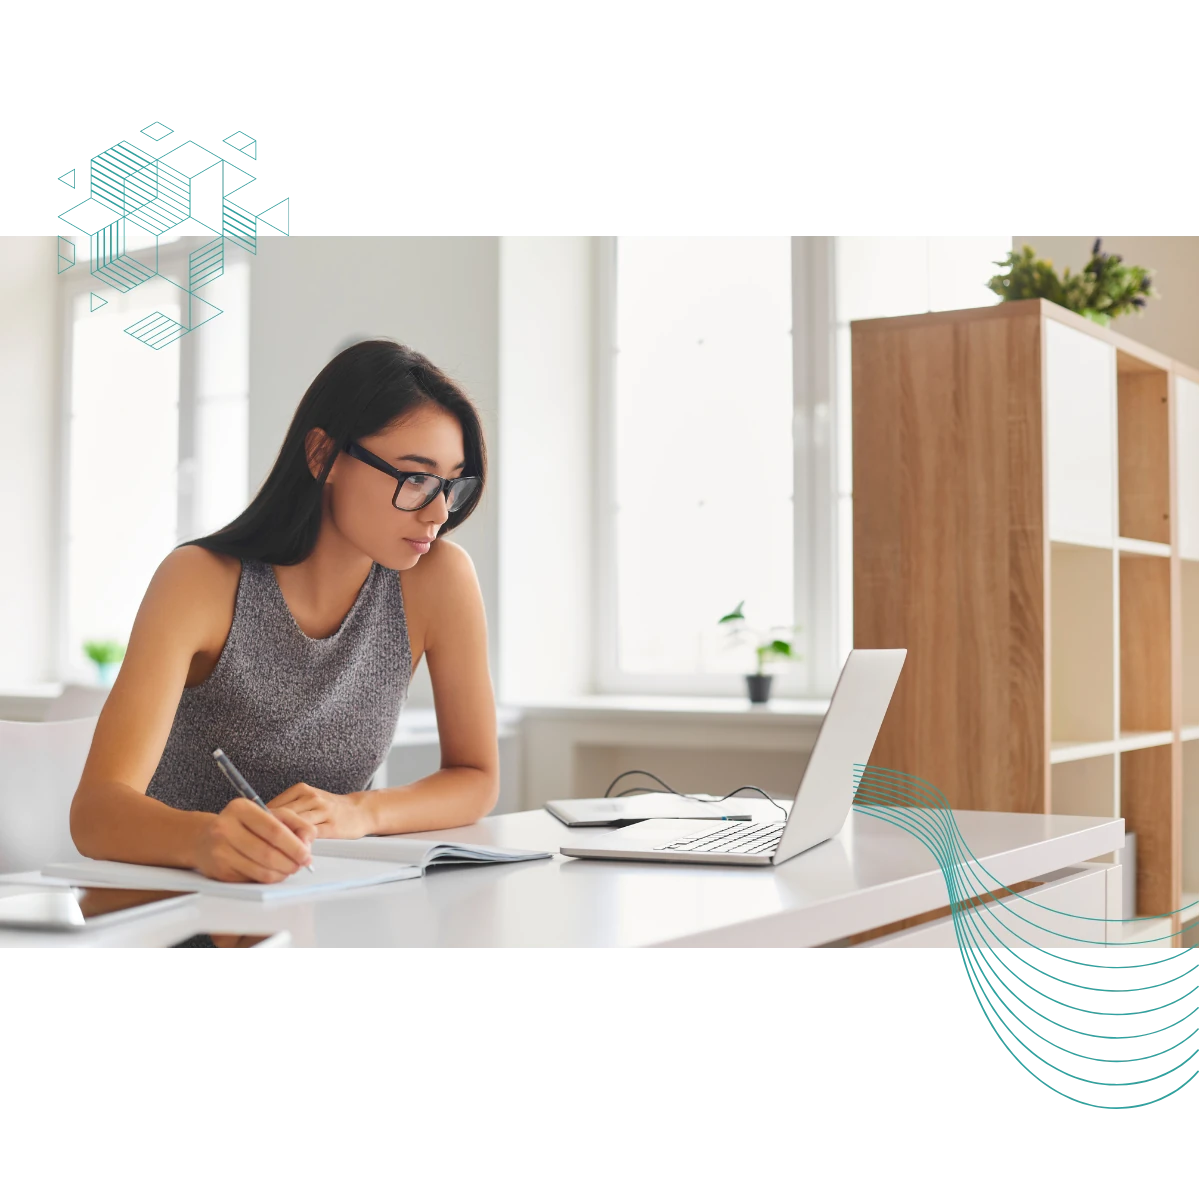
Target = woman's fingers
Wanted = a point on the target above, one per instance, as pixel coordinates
(267, 839)
(302, 826)
(289, 796)
(248, 870)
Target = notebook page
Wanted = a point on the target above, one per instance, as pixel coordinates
(328, 874)
(398, 848)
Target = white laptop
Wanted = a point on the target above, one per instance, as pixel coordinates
(846, 737)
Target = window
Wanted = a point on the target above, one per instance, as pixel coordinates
(698, 486)
(154, 444)
(723, 448)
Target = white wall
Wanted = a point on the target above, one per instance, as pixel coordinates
(439, 295)
(545, 468)
(1168, 323)
(28, 480)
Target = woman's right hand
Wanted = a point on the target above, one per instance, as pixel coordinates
(247, 844)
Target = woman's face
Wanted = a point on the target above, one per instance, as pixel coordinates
(360, 496)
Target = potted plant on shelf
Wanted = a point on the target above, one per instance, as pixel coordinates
(107, 656)
(767, 648)
(1102, 290)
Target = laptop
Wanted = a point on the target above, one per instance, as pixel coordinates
(827, 788)
(612, 810)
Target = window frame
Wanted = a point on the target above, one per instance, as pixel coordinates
(814, 493)
(73, 284)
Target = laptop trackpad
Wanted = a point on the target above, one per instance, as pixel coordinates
(648, 835)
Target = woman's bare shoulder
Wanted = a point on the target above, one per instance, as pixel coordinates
(450, 558)
(199, 582)
(196, 566)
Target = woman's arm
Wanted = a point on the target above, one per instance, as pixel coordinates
(468, 784)
(188, 606)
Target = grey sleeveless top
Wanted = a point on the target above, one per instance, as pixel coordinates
(288, 708)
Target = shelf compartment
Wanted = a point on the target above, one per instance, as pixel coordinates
(1084, 787)
(1080, 424)
(1143, 451)
(1191, 824)
(1189, 607)
(1146, 807)
(1187, 466)
(1145, 605)
(1082, 688)
(1192, 817)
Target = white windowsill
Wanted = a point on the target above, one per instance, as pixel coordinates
(418, 725)
(783, 711)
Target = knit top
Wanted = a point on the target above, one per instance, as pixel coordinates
(288, 708)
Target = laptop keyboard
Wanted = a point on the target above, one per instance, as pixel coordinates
(747, 837)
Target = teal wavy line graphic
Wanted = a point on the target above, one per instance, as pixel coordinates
(1104, 1040)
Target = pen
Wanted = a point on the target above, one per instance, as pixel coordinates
(238, 780)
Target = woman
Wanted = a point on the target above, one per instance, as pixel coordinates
(289, 637)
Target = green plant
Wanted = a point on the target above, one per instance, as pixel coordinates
(768, 647)
(1104, 289)
(101, 652)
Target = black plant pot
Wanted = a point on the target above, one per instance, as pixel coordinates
(760, 688)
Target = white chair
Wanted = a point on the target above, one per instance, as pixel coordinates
(76, 700)
(41, 763)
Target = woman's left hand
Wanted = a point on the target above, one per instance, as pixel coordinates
(334, 816)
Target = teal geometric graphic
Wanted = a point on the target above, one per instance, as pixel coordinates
(1064, 1019)
(66, 254)
(156, 133)
(185, 191)
(206, 264)
(96, 301)
(145, 190)
(249, 241)
(111, 263)
(156, 331)
(68, 178)
(197, 311)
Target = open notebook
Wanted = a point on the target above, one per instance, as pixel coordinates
(328, 875)
(338, 863)
(399, 848)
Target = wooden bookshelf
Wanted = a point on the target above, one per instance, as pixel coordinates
(1026, 521)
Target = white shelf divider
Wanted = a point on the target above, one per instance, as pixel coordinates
(1140, 546)
(1140, 739)
(1063, 752)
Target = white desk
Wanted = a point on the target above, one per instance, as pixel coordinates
(870, 874)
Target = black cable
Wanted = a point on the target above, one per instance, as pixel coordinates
(701, 799)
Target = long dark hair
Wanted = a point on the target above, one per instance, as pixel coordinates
(360, 391)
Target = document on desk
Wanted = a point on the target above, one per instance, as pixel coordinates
(327, 875)
(399, 848)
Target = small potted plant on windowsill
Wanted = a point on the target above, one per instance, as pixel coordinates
(767, 648)
(107, 656)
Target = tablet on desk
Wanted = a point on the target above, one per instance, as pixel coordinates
(610, 810)
(74, 909)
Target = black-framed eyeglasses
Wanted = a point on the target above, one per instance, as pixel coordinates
(415, 489)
